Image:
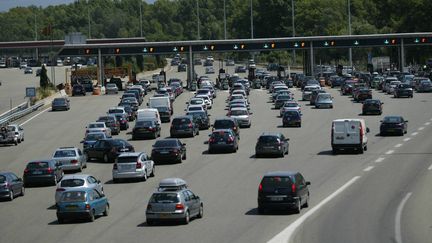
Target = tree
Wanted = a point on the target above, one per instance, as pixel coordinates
(44, 81)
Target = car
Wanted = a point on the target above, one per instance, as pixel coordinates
(123, 120)
(372, 106)
(77, 181)
(183, 126)
(242, 115)
(230, 62)
(146, 128)
(307, 92)
(271, 143)
(131, 114)
(288, 106)
(45, 171)
(60, 104)
(281, 99)
(133, 166)
(197, 61)
(223, 139)
(98, 127)
(195, 108)
(362, 94)
(324, 100)
(28, 70)
(282, 190)
(208, 102)
(111, 122)
(240, 69)
(71, 158)
(88, 84)
(201, 118)
(173, 202)
(349, 133)
(393, 125)
(168, 150)
(403, 90)
(197, 101)
(314, 95)
(391, 87)
(291, 118)
(18, 131)
(91, 139)
(227, 123)
(182, 68)
(423, 85)
(82, 203)
(108, 150)
(209, 70)
(78, 89)
(208, 63)
(11, 185)
(111, 88)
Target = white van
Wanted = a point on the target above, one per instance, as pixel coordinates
(349, 134)
(148, 113)
(160, 102)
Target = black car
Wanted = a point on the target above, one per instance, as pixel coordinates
(111, 122)
(87, 84)
(362, 94)
(11, 186)
(42, 172)
(168, 150)
(123, 120)
(78, 89)
(282, 190)
(223, 139)
(183, 126)
(145, 129)
(393, 125)
(131, 114)
(164, 113)
(372, 107)
(118, 82)
(403, 90)
(201, 118)
(291, 118)
(108, 150)
(271, 143)
(227, 123)
(59, 104)
(181, 68)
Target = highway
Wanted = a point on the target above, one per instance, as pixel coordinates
(368, 209)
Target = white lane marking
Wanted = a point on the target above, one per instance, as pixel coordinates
(390, 152)
(398, 145)
(286, 234)
(368, 168)
(379, 160)
(420, 128)
(427, 123)
(31, 118)
(414, 133)
(407, 139)
(398, 218)
(430, 167)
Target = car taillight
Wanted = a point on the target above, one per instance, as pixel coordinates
(26, 171)
(230, 139)
(235, 128)
(175, 151)
(190, 125)
(179, 206)
(260, 188)
(152, 129)
(60, 190)
(87, 206)
(49, 170)
(293, 188)
(212, 140)
(114, 166)
(138, 165)
(74, 161)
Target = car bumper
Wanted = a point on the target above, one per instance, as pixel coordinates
(165, 215)
(165, 158)
(128, 175)
(38, 179)
(218, 147)
(187, 132)
(59, 108)
(291, 123)
(74, 215)
(5, 194)
(67, 167)
(286, 203)
(273, 150)
(143, 134)
(323, 105)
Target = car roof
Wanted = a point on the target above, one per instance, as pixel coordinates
(66, 148)
(222, 130)
(182, 117)
(239, 109)
(172, 182)
(42, 160)
(280, 173)
(224, 118)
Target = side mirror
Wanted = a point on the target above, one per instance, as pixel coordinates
(287, 139)
(381, 121)
(82, 141)
(367, 130)
(308, 183)
(183, 144)
(406, 120)
(206, 142)
(98, 181)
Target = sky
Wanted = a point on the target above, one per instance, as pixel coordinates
(5, 5)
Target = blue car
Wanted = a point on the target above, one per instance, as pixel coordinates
(91, 139)
(81, 204)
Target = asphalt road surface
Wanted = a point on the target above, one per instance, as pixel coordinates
(365, 211)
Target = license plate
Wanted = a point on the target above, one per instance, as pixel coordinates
(164, 152)
(276, 198)
(164, 215)
(71, 206)
(37, 172)
(390, 130)
(221, 142)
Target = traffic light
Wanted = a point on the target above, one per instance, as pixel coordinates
(212, 47)
(273, 45)
(87, 51)
(181, 48)
(117, 50)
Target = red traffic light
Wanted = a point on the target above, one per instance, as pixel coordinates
(393, 41)
(87, 51)
(423, 40)
(117, 50)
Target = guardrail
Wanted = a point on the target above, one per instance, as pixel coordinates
(18, 113)
(13, 110)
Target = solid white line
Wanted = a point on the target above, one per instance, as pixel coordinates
(430, 167)
(414, 133)
(398, 145)
(420, 128)
(379, 160)
(407, 139)
(398, 232)
(31, 118)
(427, 123)
(368, 168)
(390, 152)
(286, 234)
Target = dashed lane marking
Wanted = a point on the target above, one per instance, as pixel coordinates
(390, 152)
(398, 145)
(406, 139)
(369, 168)
(379, 160)
(414, 133)
(420, 128)
(427, 123)
(31, 118)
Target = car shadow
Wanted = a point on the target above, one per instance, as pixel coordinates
(164, 223)
(326, 152)
(52, 207)
(254, 211)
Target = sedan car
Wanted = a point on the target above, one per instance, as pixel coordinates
(71, 158)
(372, 107)
(59, 104)
(133, 166)
(271, 143)
(82, 203)
(324, 100)
(242, 116)
(168, 150)
(403, 90)
(11, 185)
(111, 88)
(223, 139)
(42, 171)
(79, 181)
(148, 128)
(289, 106)
(108, 150)
(393, 125)
(111, 122)
(201, 118)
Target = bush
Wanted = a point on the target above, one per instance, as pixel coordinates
(42, 93)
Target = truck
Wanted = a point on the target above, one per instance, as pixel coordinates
(163, 105)
(381, 64)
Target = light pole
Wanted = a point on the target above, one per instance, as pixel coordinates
(225, 32)
(88, 16)
(293, 29)
(251, 19)
(349, 32)
(198, 20)
(141, 24)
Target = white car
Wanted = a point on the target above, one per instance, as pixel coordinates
(75, 182)
(207, 100)
(98, 127)
(133, 166)
(18, 130)
(242, 116)
(290, 105)
(197, 101)
(195, 108)
(111, 88)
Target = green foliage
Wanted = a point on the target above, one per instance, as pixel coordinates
(43, 79)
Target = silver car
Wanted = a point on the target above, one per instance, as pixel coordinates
(77, 182)
(173, 203)
(307, 92)
(242, 116)
(324, 100)
(98, 127)
(18, 130)
(133, 165)
(111, 88)
(71, 158)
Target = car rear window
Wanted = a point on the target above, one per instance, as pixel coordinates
(95, 136)
(339, 127)
(127, 159)
(64, 153)
(223, 124)
(37, 165)
(179, 121)
(268, 139)
(196, 102)
(165, 143)
(111, 111)
(164, 198)
(392, 119)
(195, 108)
(221, 134)
(276, 182)
(239, 112)
(72, 182)
(144, 124)
(96, 125)
(2, 179)
(73, 196)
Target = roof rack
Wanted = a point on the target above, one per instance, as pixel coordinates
(172, 184)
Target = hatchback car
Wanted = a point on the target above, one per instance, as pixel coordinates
(168, 150)
(108, 150)
(403, 90)
(227, 123)
(393, 125)
(18, 131)
(223, 140)
(71, 158)
(289, 106)
(291, 118)
(133, 166)
(183, 126)
(59, 104)
(201, 118)
(283, 189)
(324, 100)
(111, 122)
(78, 89)
(42, 172)
(98, 127)
(147, 128)
(11, 186)
(372, 107)
(242, 116)
(91, 139)
(81, 203)
(271, 143)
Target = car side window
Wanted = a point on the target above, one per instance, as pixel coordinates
(98, 144)
(91, 180)
(143, 157)
(191, 195)
(300, 179)
(79, 152)
(186, 196)
(96, 194)
(91, 196)
(13, 177)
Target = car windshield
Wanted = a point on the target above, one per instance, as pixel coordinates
(59, 101)
(223, 124)
(425, 82)
(37, 165)
(221, 134)
(2, 179)
(324, 97)
(392, 119)
(291, 114)
(164, 198)
(96, 125)
(72, 182)
(95, 136)
(73, 196)
(111, 85)
(127, 159)
(239, 112)
(165, 143)
(64, 153)
(113, 111)
(162, 109)
(195, 108)
(276, 182)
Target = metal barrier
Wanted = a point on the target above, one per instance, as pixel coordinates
(16, 113)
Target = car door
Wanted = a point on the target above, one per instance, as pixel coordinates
(194, 203)
(98, 202)
(82, 158)
(188, 203)
(302, 187)
(99, 148)
(94, 183)
(16, 183)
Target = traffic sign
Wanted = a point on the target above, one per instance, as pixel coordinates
(30, 92)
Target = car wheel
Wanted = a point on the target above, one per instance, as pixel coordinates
(92, 216)
(150, 222)
(152, 174)
(106, 212)
(22, 191)
(282, 154)
(115, 180)
(11, 195)
(105, 158)
(186, 218)
(155, 135)
(201, 212)
(306, 204)
(85, 166)
(184, 156)
(19, 140)
(22, 139)
(298, 207)
(55, 180)
(80, 168)
(361, 149)
(334, 151)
